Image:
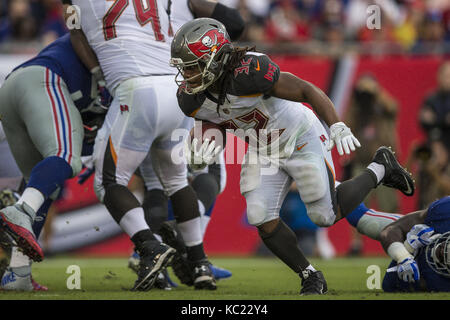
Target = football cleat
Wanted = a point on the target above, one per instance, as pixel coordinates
(219, 273)
(395, 175)
(203, 276)
(16, 225)
(180, 264)
(164, 282)
(155, 257)
(37, 286)
(313, 282)
(17, 279)
(133, 262)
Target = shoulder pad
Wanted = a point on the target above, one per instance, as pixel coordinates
(256, 73)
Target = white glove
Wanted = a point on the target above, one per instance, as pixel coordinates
(343, 138)
(198, 159)
(419, 236)
(408, 270)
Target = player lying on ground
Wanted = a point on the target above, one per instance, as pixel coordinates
(44, 105)
(238, 89)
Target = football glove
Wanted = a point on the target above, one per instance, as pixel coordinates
(198, 159)
(408, 270)
(343, 138)
(419, 236)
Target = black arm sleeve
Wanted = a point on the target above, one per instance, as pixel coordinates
(231, 18)
(67, 2)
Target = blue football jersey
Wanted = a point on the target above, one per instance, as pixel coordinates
(60, 57)
(438, 217)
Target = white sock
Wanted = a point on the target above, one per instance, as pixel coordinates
(310, 267)
(18, 259)
(133, 221)
(33, 198)
(378, 169)
(204, 222)
(191, 232)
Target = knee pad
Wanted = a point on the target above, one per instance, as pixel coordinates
(256, 214)
(310, 183)
(99, 190)
(321, 215)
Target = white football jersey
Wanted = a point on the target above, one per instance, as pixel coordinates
(130, 37)
(180, 14)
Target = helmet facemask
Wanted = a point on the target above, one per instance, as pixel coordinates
(438, 255)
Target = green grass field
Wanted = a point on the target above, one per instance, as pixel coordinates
(253, 279)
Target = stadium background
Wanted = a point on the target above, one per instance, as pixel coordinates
(404, 55)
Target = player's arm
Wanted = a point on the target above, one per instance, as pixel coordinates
(291, 87)
(80, 43)
(231, 18)
(397, 231)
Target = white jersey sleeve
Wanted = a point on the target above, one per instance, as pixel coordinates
(130, 37)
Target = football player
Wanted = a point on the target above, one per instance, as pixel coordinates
(16, 265)
(46, 104)
(419, 244)
(240, 89)
(207, 182)
(133, 49)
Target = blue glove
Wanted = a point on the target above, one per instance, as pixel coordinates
(82, 177)
(408, 270)
(105, 96)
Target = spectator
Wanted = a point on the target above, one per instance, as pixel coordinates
(285, 24)
(430, 162)
(53, 26)
(18, 25)
(435, 113)
(372, 115)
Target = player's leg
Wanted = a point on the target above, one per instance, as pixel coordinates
(370, 222)
(47, 151)
(185, 207)
(312, 169)
(264, 195)
(117, 157)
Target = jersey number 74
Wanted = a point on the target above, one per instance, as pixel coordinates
(144, 14)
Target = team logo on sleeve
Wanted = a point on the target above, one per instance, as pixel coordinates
(210, 42)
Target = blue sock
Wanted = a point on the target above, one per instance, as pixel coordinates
(41, 215)
(170, 215)
(49, 175)
(211, 209)
(356, 214)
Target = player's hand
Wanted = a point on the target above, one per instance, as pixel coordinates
(419, 236)
(88, 163)
(408, 270)
(343, 138)
(199, 158)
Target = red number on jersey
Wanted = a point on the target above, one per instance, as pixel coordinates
(144, 15)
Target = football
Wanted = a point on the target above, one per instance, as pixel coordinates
(203, 130)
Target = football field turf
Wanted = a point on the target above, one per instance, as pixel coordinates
(253, 279)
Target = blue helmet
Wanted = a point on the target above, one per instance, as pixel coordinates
(438, 255)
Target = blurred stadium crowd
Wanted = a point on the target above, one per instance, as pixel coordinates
(309, 26)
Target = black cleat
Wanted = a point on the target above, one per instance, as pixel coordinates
(203, 276)
(155, 257)
(395, 175)
(313, 282)
(180, 264)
